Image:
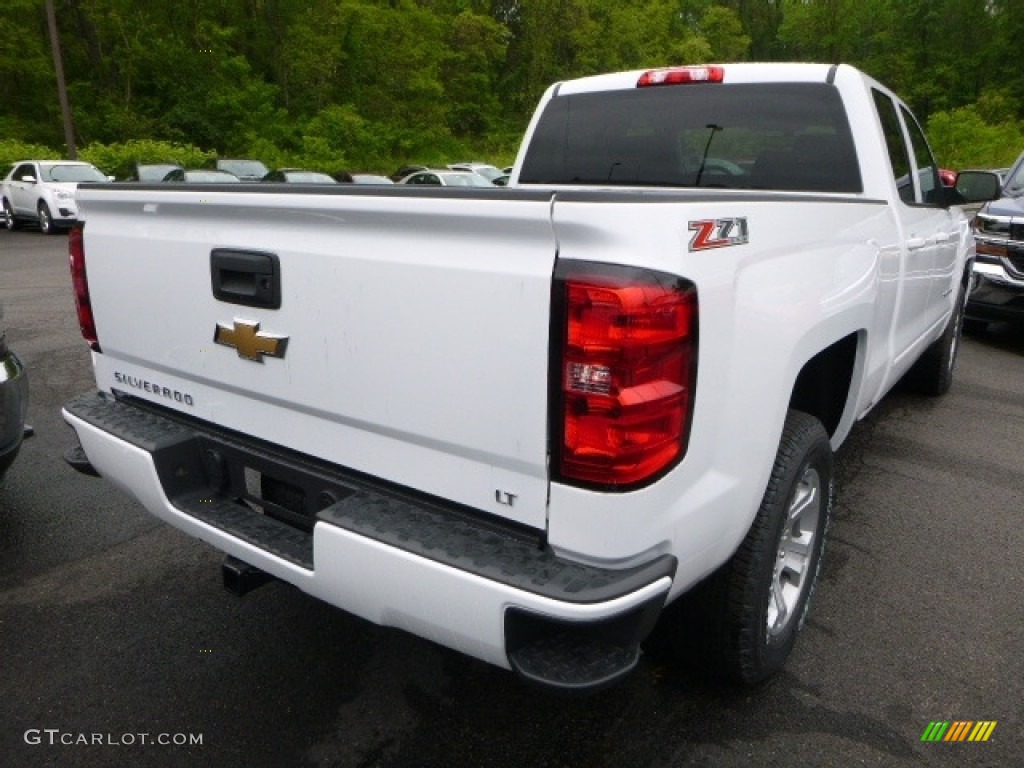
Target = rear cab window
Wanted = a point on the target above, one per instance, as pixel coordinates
(781, 136)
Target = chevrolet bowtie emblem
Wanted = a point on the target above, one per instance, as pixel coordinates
(249, 341)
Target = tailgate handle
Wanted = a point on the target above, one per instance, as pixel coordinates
(249, 278)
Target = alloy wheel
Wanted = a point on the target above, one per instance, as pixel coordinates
(792, 570)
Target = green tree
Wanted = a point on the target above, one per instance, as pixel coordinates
(1006, 30)
(29, 109)
(760, 20)
(723, 29)
(823, 30)
(476, 47)
(120, 159)
(369, 82)
(962, 138)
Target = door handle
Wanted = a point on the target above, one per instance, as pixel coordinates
(249, 278)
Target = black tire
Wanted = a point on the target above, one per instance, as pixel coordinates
(975, 326)
(757, 602)
(46, 225)
(932, 374)
(12, 220)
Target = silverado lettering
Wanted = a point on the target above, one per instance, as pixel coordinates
(147, 386)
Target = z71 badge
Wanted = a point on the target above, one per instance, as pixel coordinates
(718, 233)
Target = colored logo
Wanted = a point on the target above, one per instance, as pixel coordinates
(958, 730)
(718, 233)
(249, 341)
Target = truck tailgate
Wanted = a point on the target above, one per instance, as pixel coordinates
(411, 333)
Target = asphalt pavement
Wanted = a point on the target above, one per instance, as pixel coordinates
(118, 645)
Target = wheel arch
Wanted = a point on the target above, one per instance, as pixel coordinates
(823, 386)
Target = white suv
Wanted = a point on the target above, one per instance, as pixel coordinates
(486, 170)
(44, 191)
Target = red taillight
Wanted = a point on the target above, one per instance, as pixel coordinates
(680, 75)
(80, 284)
(626, 369)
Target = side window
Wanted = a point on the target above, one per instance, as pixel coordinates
(927, 169)
(899, 158)
(23, 171)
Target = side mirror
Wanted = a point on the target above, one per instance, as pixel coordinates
(28, 179)
(978, 186)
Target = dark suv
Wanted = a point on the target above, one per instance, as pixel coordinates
(13, 402)
(997, 290)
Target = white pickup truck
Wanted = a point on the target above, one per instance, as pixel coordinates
(518, 422)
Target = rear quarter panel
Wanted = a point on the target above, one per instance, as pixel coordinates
(812, 273)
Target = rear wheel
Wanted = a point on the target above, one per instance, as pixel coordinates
(45, 219)
(9, 218)
(756, 603)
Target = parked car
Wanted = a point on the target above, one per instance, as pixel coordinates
(345, 177)
(201, 176)
(486, 170)
(3, 218)
(447, 178)
(298, 176)
(405, 170)
(150, 172)
(245, 170)
(370, 178)
(43, 191)
(997, 284)
(13, 402)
